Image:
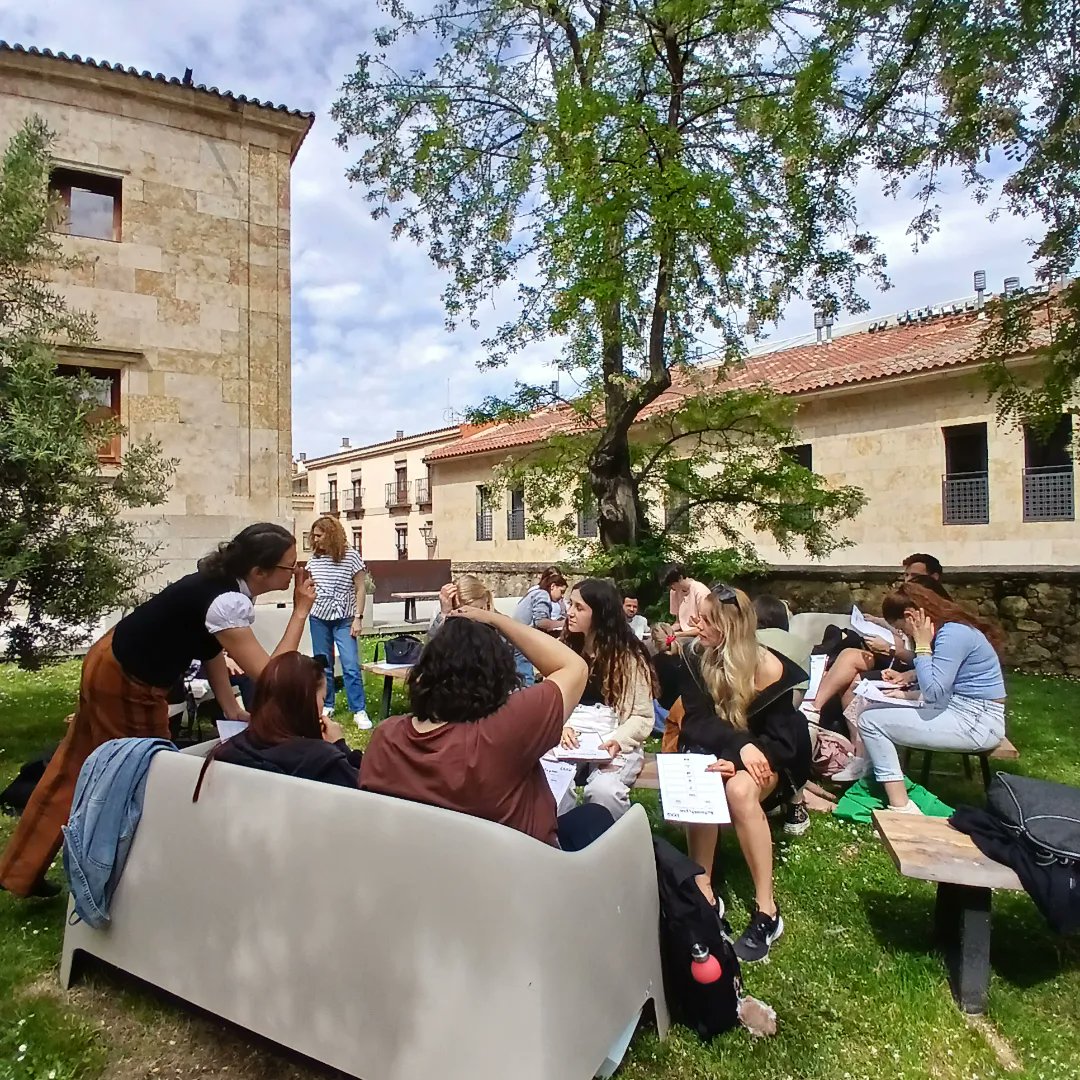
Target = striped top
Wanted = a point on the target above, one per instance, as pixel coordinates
(335, 592)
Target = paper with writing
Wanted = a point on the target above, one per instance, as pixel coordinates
(872, 692)
(588, 749)
(862, 625)
(817, 670)
(688, 792)
(560, 775)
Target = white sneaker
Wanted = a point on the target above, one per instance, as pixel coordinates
(855, 769)
(908, 808)
(327, 712)
(361, 720)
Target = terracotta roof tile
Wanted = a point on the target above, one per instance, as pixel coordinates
(32, 50)
(852, 358)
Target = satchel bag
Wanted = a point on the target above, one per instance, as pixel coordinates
(1046, 814)
(403, 649)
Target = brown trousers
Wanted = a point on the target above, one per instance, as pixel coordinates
(111, 706)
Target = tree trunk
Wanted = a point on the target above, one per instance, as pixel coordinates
(612, 481)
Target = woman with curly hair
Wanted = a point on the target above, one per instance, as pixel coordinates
(620, 681)
(336, 619)
(739, 707)
(474, 740)
(959, 677)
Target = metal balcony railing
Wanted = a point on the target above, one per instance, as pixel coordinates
(397, 494)
(515, 524)
(1048, 494)
(423, 492)
(328, 502)
(965, 499)
(483, 525)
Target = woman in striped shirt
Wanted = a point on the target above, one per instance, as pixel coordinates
(338, 573)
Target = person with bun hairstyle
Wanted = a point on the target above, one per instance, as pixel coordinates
(127, 674)
(960, 680)
(465, 591)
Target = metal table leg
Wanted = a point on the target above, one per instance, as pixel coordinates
(962, 922)
(387, 691)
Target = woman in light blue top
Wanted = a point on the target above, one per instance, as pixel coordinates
(959, 678)
(536, 608)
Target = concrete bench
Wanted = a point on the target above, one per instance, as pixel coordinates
(379, 936)
(929, 849)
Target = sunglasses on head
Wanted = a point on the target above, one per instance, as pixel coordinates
(725, 594)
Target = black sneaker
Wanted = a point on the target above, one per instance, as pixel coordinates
(796, 819)
(758, 936)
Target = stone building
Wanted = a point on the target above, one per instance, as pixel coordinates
(382, 494)
(896, 407)
(177, 206)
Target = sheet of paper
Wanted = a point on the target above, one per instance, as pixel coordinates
(226, 729)
(688, 792)
(560, 775)
(394, 667)
(817, 669)
(872, 692)
(589, 749)
(862, 625)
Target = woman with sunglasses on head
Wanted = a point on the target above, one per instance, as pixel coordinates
(127, 675)
(738, 701)
(620, 680)
(287, 733)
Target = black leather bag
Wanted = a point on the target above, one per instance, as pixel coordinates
(1046, 814)
(403, 649)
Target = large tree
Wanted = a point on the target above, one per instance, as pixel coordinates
(658, 174)
(67, 552)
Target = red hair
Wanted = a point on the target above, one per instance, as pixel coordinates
(285, 706)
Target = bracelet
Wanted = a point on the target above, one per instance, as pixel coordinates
(923, 650)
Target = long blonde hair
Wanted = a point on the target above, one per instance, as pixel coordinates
(728, 669)
(333, 537)
(473, 592)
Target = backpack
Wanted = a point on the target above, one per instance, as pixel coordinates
(686, 920)
(1044, 813)
(16, 795)
(403, 649)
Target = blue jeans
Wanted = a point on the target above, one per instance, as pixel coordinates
(525, 670)
(324, 634)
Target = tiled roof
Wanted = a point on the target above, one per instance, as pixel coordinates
(910, 349)
(159, 77)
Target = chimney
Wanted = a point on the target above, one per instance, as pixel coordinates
(1012, 285)
(819, 324)
(980, 288)
(303, 455)
(345, 442)
(399, 434)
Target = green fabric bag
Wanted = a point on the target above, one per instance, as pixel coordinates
(865, 796)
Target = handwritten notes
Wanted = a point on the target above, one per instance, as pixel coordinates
(688, 792)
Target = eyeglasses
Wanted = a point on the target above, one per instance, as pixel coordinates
(725, 594)
(291, 569)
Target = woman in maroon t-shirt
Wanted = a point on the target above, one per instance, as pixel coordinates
(473, 742)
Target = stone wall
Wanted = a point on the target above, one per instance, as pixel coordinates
(1035, 605)
(508, 579)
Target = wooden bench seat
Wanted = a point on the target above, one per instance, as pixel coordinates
(929, 849)
(1004, 751)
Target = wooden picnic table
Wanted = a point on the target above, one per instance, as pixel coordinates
(930, 849)
(410, 599)
(389, 673)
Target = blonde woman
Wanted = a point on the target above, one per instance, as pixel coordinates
(737, 697)
(336, 619)
(465, 591)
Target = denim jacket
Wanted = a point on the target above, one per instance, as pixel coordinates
(104, 815)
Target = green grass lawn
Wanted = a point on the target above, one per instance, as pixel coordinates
(858, 989)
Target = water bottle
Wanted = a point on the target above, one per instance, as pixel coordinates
(704, 967)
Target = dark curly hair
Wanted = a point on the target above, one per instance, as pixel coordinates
(617, 649)
(466, 672)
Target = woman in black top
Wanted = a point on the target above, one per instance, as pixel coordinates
(127, 674)
(286, 733)
(737, 697)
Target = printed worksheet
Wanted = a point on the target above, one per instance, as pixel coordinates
(817, 670)
(588, 749)
(688, 792)
(862, 625)
(872, 691)
(560, 775)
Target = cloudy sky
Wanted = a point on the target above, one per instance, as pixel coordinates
(370, 354)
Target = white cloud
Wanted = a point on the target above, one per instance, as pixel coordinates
(370, 351)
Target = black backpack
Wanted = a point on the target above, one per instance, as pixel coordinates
(1044, 813)
(16, 795)
(687, 920)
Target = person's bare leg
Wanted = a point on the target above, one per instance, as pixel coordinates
(701, 847)
(896, 792)
(755, 838)
(847, 667)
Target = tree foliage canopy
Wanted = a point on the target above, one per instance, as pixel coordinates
(67, 553)
(655, 175)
